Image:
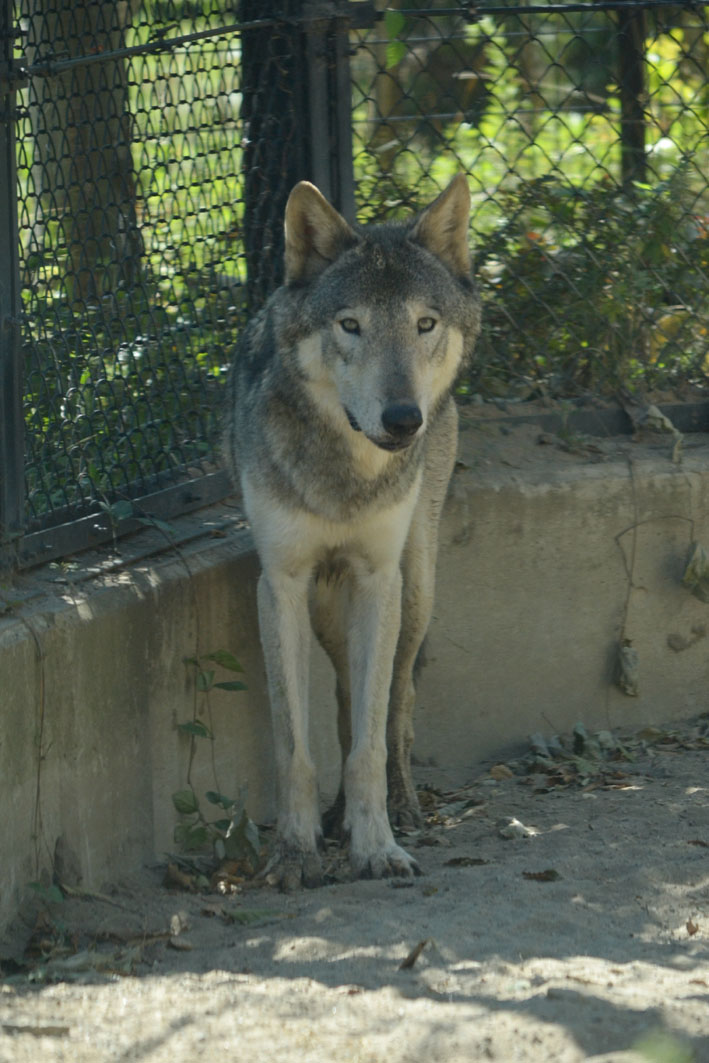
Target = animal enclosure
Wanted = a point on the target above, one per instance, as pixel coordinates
(147, 150)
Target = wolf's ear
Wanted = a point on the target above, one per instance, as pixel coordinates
(442, 228)
(315, 233)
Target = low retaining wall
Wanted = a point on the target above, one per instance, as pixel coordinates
(548, 557)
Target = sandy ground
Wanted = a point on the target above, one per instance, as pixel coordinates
(582, 936)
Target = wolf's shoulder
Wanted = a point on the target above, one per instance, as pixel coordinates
(269, 329)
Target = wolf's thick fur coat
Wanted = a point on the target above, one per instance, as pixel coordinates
(342, 430)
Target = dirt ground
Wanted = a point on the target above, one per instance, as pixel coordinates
(563, 915)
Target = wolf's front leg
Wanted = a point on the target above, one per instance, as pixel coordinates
(285, 636)
(373, 632)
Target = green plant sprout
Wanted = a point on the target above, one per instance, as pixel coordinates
(232, 835)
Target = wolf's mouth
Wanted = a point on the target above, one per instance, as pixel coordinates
(353, 421)
(391, 445)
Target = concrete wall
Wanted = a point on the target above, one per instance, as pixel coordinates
(533, 593)
(535, 590)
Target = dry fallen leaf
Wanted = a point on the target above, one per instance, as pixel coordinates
(35, 1031)
(178, 922)
(628, 667)
(465, 861)
(649, 418)
(511, 828)
(179, 944)
(550, 875)
(501, 771)
(228, 878)
(429, 799)
(175, 878)
(696, 573)
(692, 927)
(412, 957)
(213, 911)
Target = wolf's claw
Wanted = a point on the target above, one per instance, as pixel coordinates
(291, 867)
(390, 862)
(405, 815)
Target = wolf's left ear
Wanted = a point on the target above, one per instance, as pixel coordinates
(315, 233)
(442, 228)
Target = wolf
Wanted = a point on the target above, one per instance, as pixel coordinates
(341, 429)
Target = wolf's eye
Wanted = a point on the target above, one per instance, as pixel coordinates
(351, 325)
(426, 324)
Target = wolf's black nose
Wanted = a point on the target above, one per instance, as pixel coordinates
(402, 419)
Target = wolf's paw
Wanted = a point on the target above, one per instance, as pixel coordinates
(384, 863)
(405, 814)
(291, 867)
(402, 801)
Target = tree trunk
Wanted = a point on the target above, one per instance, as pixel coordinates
(82, 166)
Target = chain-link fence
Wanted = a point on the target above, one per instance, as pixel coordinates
(584, 130)
(153, 143)
(137, 260)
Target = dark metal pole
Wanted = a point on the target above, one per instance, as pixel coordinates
(631, 83)
(11, 423)
(330, 105)
(275, 123)
(343, 121)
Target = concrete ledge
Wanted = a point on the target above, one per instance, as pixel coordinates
(547, 557)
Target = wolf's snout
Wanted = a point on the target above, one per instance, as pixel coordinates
(402, 420)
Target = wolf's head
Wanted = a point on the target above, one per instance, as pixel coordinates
(389, 312)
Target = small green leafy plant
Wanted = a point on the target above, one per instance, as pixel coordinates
(232, 835)
(47, 894)
(205, 681)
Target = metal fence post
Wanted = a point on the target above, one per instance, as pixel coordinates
(330, 104)
(11, 423)
(297, 107)
(274, 115)
(631, 83)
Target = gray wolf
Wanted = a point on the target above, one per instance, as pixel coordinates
(342, 430)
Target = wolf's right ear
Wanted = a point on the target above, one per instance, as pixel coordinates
(315, 234)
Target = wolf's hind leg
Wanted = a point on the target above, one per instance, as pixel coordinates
(417, 603)
(327, 610)
(418, 568)
(285, 636)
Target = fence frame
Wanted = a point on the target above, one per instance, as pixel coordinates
(11, 417)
